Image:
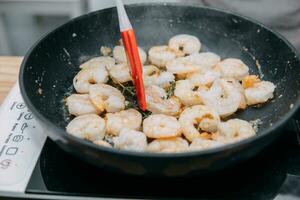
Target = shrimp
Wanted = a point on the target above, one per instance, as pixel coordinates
(202, 144)
(104, 61)
(260, 92)
(105, 51)
(90, 127)
(120, 55)
(89, 76)
(102, 143)
(153, 76)
(234, 130)
(182, 66)
(238, 85)
(131, 140)
(206, 78)
(161, 55)
(106, 97)
(233, 68)
(222, 96)
(158, 103)
(120, 73)
(80, 104)
(195, 119)
(187, 93)
(130, 119)
(161, 126)
(206, 61)
(168, 145)
(186, 44)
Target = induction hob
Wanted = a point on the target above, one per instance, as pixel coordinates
(272, 174)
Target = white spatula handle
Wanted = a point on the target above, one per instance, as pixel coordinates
(123, 17)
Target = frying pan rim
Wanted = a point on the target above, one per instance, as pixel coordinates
(81, 142)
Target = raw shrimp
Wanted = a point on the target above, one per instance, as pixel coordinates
(187, 93)
(153, 76)
(102, 143)
(259, 92)
(187, 44)
(130, 118)
(234, 130)
(201, 144)
(106, 97)
(89, 76)
(161, 55)
(195, 119)
(182, 66)
(130, 140)
(120, 55)
(104, 61)
(206, 78)
(168, 145)
(233, 68)
(120, 73)
(222, 96)
(80, 104)
(206, 61)
(158, 103)
(161, 126)
(89, 127)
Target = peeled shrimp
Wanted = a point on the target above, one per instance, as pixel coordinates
(161, 55)
(182, 65)
(168, 145)
(104, 61)
(130, 118)
(161, 126)
(120, 55)
(187, 44)
(153, 76)
(89, 76)
(130, 140)
(158, 103)
(80, 104)
(207, 78)
(234, 130)
(233, 68)
(185, 91)
(195, 119)
(90, 127)
(222, 96)
(201, 144)
(120, 73)
(236, 84)
(102, 143)
(259, 92)
(106, 97)
(206, 61)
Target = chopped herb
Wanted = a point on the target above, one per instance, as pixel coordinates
(171, 89)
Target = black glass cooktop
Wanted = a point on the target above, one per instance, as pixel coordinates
(271, 174)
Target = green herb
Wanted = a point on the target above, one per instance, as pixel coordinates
(171, 89)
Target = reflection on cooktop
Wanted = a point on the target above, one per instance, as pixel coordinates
(259, 178)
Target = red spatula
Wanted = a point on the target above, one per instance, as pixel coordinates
(133, 58)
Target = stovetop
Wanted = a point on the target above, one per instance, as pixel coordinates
(271, 174)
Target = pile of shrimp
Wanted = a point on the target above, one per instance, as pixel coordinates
(191, 117)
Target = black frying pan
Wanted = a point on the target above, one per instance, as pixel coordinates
(53, 61)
